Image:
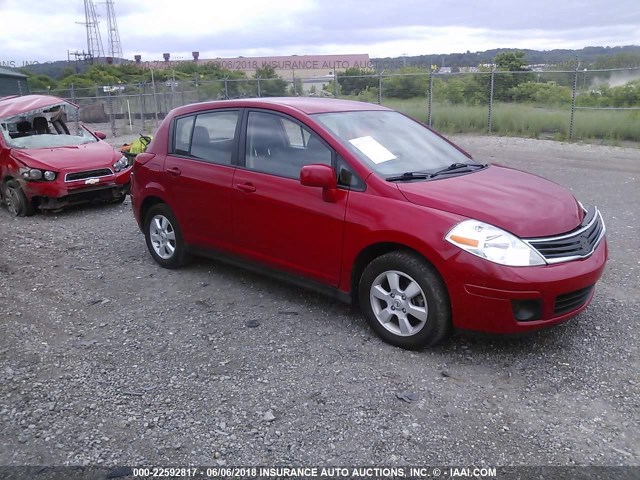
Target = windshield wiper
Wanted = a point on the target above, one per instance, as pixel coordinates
(409, 176)
(457, 167)
(453, 168)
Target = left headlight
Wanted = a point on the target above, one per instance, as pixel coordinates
(493, 244)
(121, 164)
(36, 174)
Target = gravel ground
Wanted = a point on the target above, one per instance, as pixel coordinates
(107, 359)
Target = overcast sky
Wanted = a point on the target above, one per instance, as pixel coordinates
(42, 30)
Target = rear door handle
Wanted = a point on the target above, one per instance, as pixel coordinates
(246, 187)
(174, 171)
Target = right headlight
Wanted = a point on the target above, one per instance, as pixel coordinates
(121, 164)
(493, 244)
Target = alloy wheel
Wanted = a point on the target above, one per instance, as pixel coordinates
(12, 200)
(398, 303)
(163, 237)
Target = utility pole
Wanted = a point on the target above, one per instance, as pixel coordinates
(94, 40)
(115, 47)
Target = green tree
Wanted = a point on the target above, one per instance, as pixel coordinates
(541, 93)
(296, 88)
(67, 72)
(104, 74)
(472, 89)
(212, 70)
(41, 82)
(271, 85)
(213, 90)
(619, 60)
(78, 81)
(355, 80)
(503, 81)
(410, 83)
(511, 62)
(627, 95)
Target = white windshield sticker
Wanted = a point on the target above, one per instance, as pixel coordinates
(376, 152)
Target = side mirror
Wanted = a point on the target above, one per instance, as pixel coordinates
(100, 135)
(321, 176)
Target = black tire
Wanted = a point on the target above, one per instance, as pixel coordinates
(413, 332)
(119, 199)
(15, 200)
(172, 244)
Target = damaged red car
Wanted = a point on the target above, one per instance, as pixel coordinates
(46, 164)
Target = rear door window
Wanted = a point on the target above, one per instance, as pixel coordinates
(208, 136)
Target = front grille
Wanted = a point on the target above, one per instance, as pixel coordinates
(101, 172)
(568, 302)
(579, 243)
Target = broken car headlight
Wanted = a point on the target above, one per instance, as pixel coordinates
(493, 244)
(121, 164)
(36, 174)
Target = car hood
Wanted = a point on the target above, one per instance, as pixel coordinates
(521, 203)
(77, 158)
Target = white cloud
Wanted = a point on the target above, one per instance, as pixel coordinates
(38, 30)
(194, 19)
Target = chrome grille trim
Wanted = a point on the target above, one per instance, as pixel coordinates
(84, 175)
(595, 224)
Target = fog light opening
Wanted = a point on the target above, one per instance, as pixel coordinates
(527, 310)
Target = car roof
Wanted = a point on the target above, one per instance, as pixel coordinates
(16, 105)
(307, 105)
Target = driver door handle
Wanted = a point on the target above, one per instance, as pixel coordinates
(174, 171)
(246, 187)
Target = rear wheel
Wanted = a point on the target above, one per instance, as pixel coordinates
(15, 200)
(405, 301)
(164, 238)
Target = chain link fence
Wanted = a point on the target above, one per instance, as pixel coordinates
(561, 105)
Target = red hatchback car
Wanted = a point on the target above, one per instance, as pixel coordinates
(46, 164)
(365, 203)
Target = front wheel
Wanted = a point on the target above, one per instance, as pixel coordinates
(119, 199)
(405, 301)
(15, 200)
(164, 238)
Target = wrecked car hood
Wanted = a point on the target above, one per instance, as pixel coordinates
(81, 157)
(11, 107)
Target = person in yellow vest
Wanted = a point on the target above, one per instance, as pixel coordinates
(140, 144)
(137, 146)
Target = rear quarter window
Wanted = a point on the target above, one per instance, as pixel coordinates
(184, 126)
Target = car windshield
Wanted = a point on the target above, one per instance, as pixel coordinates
(48, 140)
(391, 143)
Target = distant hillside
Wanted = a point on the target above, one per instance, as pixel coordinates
(591, 57)
(594, 57)
(55, 69)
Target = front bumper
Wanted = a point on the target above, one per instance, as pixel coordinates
(59, 194)
(491, 298)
